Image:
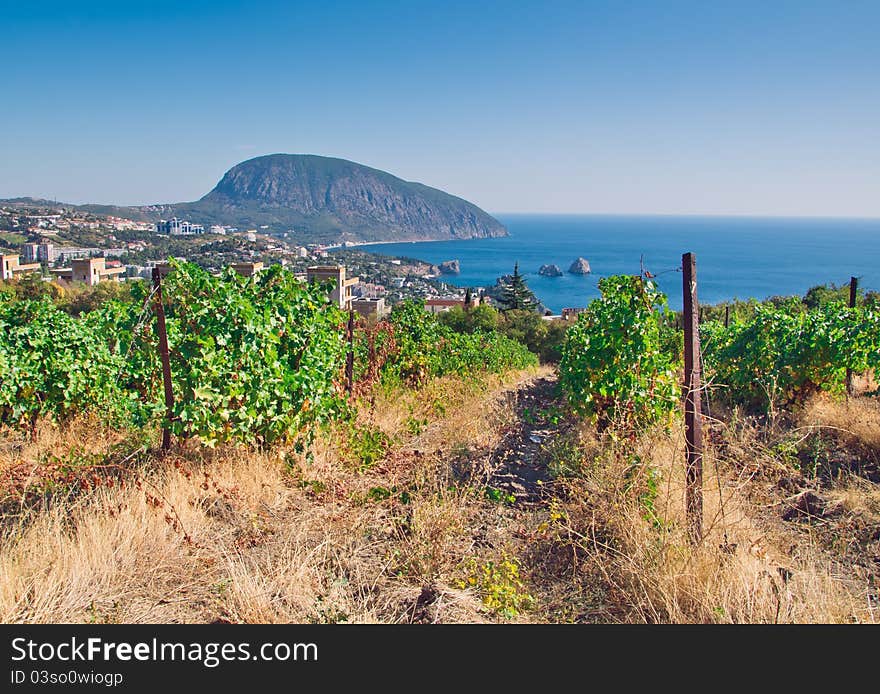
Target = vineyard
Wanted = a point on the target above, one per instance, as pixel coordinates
(434, 468)
(622, 360)
(255, 360)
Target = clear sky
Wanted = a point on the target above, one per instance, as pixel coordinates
(747, 107)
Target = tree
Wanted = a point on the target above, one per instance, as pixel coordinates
(481, 317)
(542, 337)
(823, 294)
(515, 293)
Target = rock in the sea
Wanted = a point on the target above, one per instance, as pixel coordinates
(550, 271)
(580, 267)
(450, 267)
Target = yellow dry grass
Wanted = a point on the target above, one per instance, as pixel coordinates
(245, 536)
(750, 567)
(857, 419)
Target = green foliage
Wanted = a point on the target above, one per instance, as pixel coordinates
(478, 318)
(542, 337)
(54, 365)
(645, 481)
(416, 425)
(735, 310)
(367, 445)
(75, 299)
(253, 359)
(499, 496)
(378, 494)
(82, 298)
(784, 352)
(11, 239)
(256, 360)
(739, 311)
(425, 347)
(514, 293)
(500, 586)
(616, 365)
(824, 294)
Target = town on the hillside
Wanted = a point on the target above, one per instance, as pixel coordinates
(67, 245)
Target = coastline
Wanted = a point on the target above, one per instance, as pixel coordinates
(357, 244)
(738, 257)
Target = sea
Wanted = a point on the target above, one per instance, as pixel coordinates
(737, 257)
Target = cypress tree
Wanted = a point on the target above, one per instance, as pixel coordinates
(515, 293)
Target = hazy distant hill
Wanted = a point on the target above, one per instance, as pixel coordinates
(323, 198)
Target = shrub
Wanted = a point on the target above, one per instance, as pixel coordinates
(616, 365)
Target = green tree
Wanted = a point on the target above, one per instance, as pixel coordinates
(482, 317)
(823, 294)
(543, 337)
(515, 293)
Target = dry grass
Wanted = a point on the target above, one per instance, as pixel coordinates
(857, 420)
(243, 536)
(633, 560)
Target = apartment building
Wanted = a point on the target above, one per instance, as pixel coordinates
(39, 252)
(341, 292)
(90, 271)
(12, 267)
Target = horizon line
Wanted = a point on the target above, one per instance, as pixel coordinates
(716, 215)
(724, 215)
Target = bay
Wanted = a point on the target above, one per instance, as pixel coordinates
(737, 257)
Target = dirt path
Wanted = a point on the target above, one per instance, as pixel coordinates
(515, 470)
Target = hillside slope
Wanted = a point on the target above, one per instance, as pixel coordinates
(320, 199)
(324, 195)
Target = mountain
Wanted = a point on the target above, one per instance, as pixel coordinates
(325, 199)
(328, 197)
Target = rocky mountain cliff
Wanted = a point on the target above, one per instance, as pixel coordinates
(329, 199)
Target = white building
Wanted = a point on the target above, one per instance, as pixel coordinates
(178, 227)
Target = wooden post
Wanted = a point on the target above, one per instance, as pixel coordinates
(166, 359)
(349, 357)
(692, 405)
(727, 316)
(853, 292)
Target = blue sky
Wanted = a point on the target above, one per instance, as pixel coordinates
(748, 107)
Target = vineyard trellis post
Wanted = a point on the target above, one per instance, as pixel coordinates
(853, 292)
(349, 357)
(692, 405)
(165, 358)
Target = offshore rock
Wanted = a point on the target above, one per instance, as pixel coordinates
(550, 271)
(450, 267)
(580, 267)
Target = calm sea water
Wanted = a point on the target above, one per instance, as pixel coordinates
(736, 257)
